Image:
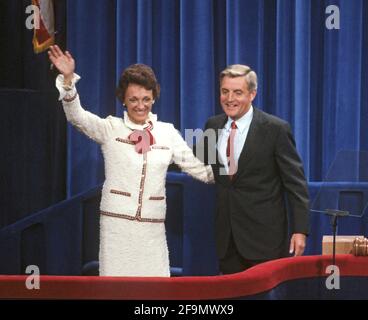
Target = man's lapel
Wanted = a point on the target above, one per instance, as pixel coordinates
(219, 126)
(254, 138)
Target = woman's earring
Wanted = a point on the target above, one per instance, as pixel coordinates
(153, 101)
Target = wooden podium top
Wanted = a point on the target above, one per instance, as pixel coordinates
(344, 244)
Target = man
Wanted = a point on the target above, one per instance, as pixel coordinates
(257, 166)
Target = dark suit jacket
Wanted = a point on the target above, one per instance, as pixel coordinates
(252, 204)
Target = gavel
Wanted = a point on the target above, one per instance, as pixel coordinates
(360, 247)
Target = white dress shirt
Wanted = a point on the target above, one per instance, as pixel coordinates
(243, 125)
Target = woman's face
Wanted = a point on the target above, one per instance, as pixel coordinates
(138, 102)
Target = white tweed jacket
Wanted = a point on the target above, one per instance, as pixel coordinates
(134, 186)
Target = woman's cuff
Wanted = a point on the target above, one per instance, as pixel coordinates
(210, 176)
(66, 92)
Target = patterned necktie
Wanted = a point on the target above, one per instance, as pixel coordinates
(230, 150)
(143, 139)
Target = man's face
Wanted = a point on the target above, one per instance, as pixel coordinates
(234, 97)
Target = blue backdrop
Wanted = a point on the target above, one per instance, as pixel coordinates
(311, 76)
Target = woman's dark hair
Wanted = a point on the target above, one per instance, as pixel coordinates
(140, 74)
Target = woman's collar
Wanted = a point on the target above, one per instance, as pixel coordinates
(134, 126)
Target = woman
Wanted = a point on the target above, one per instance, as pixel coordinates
(137, 151)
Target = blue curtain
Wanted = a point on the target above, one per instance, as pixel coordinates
(311, 76)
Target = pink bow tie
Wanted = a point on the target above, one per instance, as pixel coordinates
(142, 139)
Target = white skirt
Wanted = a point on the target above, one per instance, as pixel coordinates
(133, 248)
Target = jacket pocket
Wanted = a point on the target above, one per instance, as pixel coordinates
(156, 198)
(160, 147)
(122, 193)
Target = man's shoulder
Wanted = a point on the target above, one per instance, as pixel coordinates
(270, 118)
(260, 115)
(216, 121)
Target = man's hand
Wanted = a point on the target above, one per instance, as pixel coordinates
(63, 62)
(297, 244)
